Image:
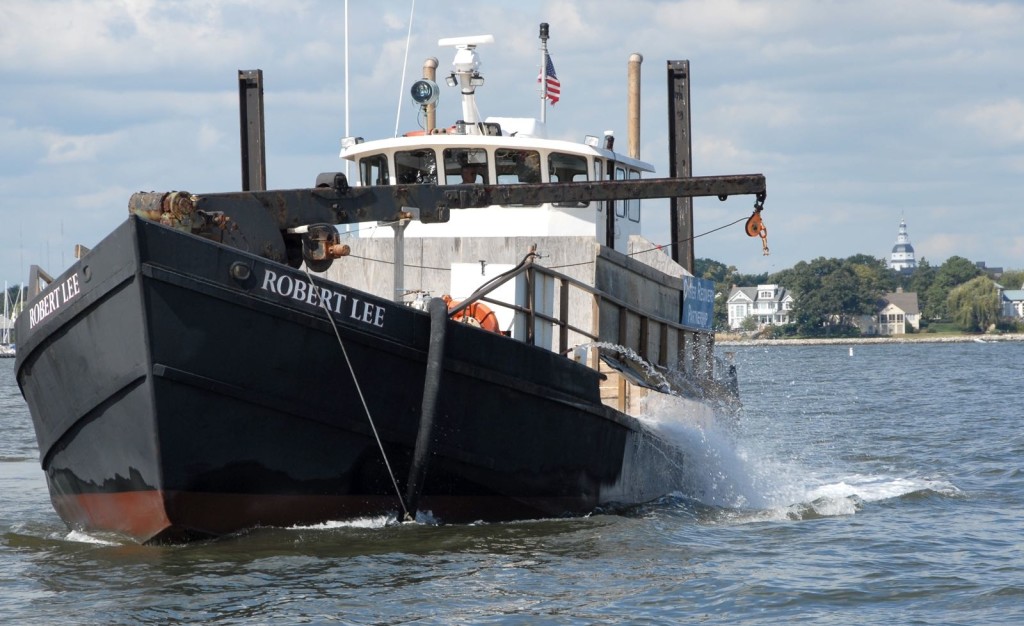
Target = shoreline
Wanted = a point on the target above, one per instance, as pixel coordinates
(821, 341)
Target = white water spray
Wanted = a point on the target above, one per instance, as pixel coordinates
(734, 473)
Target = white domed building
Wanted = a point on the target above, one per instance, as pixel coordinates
(902, 258)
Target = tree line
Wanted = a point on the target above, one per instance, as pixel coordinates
(829, 294)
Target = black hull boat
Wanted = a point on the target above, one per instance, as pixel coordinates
(182, 389)
(187, 378)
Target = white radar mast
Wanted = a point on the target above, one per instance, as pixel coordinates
(466, 72)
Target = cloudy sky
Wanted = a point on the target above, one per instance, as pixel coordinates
(857, 112)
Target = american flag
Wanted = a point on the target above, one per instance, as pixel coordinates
(554, 88)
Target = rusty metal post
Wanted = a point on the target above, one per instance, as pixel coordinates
(250, 108)
(633, 103)
(430, 73)
(680, 166)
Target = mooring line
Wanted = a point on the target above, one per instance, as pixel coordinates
(359, 390)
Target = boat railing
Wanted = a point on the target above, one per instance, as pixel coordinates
(562, 321)
(635, 331)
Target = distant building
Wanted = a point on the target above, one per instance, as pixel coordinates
(896, 311)
(767, 304)
(1011, 301)
(992, 272)
(902, 259)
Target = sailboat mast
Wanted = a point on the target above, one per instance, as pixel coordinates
(7, 331)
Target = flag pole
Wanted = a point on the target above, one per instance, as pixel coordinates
(543, 71)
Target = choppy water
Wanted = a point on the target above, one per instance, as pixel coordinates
(883, 487)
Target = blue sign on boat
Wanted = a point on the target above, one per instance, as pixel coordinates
(698, 303)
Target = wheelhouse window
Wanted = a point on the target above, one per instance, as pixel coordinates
(565, 168)
(599, 175)
(620, 205)
(633, 204)
(517, 166)
(373, 170)
(416, 166)
(465, 165)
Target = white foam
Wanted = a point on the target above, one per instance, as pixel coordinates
(379, 521)
(78, 536)
(718, 471)
(726, 471)
(835, 507)
(877, 488)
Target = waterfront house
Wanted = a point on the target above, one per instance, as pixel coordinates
(766, 304)
(896, 311)
(1011, 302)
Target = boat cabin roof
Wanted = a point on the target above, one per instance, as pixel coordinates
(482, 145)
(361, 149)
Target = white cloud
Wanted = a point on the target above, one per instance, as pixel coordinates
(1002, 121)
(209, 137)
(942, 245)
(75, 148)
(856, 111)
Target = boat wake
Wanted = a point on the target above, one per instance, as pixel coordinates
(376, 521)
(78, 536)
(423, 518)
(732, 479)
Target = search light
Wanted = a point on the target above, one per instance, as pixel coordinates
(424, 92)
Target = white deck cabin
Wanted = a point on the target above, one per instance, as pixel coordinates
(499, 150)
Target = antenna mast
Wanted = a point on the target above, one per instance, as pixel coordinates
(543, 71)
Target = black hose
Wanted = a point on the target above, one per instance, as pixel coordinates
(431, 392)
